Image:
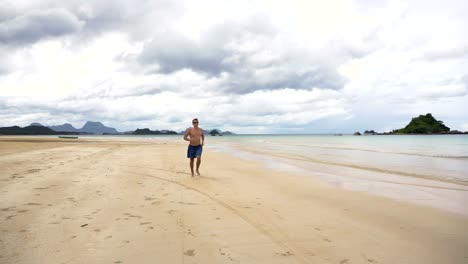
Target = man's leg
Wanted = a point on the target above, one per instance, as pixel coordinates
(198, 165)
(191, 165)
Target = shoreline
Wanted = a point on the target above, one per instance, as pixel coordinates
(126, 201)
(449, 195)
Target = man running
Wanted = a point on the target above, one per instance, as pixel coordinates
(197, 138)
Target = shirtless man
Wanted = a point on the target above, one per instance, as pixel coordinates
(197, 138)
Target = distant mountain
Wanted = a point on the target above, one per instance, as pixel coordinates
(91, 128)
(29, 130)
(97, 128)
(35, 124)
(218, 132)
(88, 128)
(65, 128)
(213, 131)
(147, 131)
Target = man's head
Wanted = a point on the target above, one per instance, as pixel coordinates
(195, 122)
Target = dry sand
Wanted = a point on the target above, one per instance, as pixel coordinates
(116, 201)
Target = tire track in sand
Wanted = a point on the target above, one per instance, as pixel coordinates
(295, 252)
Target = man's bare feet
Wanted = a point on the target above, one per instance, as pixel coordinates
(193, 174)
(198, 173)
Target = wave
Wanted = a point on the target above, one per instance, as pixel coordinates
(444, 156)
(361, 167)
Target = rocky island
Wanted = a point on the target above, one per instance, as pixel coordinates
(424, 124)
(421, 125)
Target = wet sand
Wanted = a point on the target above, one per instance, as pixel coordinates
(134, 201)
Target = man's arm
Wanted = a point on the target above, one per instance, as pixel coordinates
(186, 135)
(203, 137)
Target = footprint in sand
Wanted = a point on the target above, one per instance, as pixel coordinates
(9, 217)
(221, 252)
(344, 261)
(190, 252)
(285, 254)
(134, 216)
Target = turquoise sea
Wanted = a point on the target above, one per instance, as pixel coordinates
(429, 156)
(431, 170)
(437, 156)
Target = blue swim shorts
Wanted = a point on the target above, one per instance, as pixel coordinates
(194, 151)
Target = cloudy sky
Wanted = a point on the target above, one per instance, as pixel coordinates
(309, 66)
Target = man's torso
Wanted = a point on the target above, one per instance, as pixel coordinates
(195, 136)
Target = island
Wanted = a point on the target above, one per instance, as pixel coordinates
(421, 125)
(424, 124)
(147, 131)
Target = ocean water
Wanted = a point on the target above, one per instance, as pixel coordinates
(434, 156)
(429, 170)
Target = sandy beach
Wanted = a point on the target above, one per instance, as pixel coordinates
(134, 201)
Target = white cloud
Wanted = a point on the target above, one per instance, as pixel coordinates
(53, 69)
(248, 66)
(465, 127)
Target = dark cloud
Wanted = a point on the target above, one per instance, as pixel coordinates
(235, 49)
(38, 24)
(23, 106)
(172, 51)
(320, 77)
(25, 24)
(137, 19)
